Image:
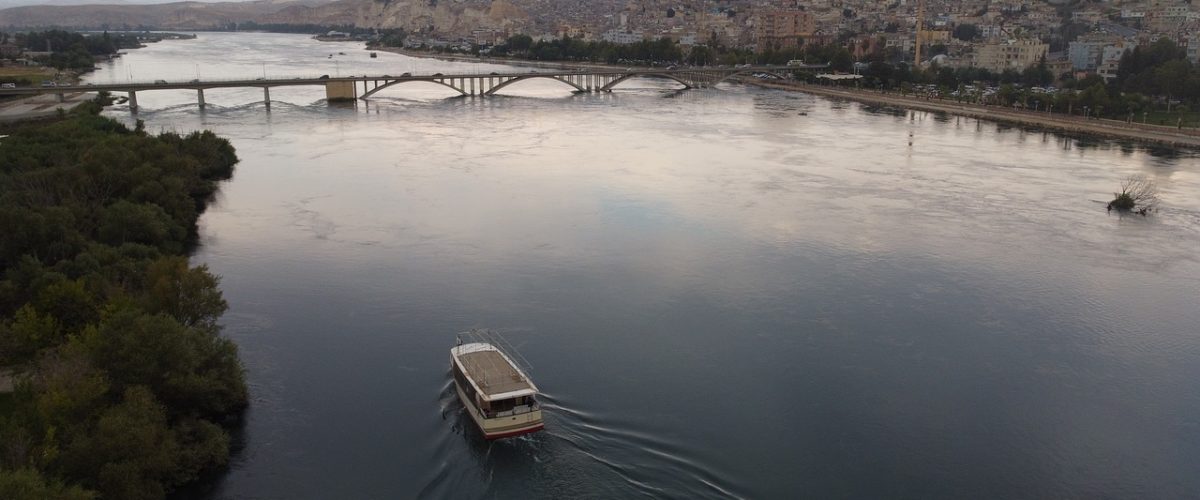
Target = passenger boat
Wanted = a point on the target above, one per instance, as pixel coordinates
(500, 397)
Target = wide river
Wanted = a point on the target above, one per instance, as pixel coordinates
(731, 292)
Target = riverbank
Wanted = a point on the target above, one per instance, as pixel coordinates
(1155, 134)
(41, 106)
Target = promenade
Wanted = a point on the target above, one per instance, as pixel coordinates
(1157, 134)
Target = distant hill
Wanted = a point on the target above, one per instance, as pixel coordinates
(135, 13)
(414, 15)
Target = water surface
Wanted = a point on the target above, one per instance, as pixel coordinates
(733, 292)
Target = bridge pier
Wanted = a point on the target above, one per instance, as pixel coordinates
(341, 91)
(267, 96)
(133, 107)
(472, 94)
(200, 97)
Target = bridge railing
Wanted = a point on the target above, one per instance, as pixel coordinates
(272, 80)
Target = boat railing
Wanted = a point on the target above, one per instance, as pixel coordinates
(500, 343)
(516, 410)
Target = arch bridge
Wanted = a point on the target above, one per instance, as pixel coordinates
(466, 84)
(582, 80)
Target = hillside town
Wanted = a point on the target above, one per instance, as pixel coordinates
(994, 35)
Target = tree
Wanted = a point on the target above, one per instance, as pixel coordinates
(188, 294)
(29, 484)
(131, 453)
(1138, 194)
(195, 372)
(124, 373)
(966, 32)
(519, 43)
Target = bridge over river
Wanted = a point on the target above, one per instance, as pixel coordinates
(466, 84)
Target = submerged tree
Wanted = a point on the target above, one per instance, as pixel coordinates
(1138, 194)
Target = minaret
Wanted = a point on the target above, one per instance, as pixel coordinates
(920, 30)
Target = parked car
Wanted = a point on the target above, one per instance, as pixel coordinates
(48, 83)
(323, 77)
(9, 86)
(160, 82)
(405, 74)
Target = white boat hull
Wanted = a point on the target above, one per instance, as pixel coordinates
(503, 426)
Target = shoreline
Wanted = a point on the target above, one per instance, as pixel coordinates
(1067, 124)
(1114, 129)
(40, 107)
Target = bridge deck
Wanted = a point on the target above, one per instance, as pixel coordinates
(436, 77)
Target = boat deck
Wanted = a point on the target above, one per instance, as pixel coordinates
(494, 374)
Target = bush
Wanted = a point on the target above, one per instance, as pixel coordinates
(1138, 194)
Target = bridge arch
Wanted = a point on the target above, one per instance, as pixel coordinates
(614, 83)
(747, 71)
(396, 82)
(506, 83)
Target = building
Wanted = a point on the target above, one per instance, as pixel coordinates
(1110, 58)
(1193, 49)
(622, 37)
(783, 29)
(1086, 52)
(1009, 54)
(9, 51)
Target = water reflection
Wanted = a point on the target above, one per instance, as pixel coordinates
(729, 292)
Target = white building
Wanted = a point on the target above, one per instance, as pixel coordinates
(622, 37)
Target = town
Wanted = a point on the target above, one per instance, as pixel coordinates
(994, 35)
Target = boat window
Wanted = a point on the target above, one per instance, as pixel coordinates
(464, 383)
(504, 404)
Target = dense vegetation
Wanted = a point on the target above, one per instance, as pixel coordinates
(70, 50)
(1155, 83)
(123, 382)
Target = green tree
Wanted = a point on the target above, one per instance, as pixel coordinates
(188, 294)
(29, 484)
(194, 371)
(131, 453)
(966, 32)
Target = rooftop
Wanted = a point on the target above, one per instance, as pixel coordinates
(494, 375)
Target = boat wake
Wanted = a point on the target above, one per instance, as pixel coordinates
(578, 454)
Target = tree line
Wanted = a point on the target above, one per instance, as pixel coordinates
(1150, 79)
(123, 383)
(71, 50)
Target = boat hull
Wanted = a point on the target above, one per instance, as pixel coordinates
(501, 427)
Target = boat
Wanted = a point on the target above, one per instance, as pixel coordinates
(496, 392)
(374, 54)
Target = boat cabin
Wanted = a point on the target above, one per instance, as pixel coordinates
(498, 395)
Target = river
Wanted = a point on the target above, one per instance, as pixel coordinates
(732, 292)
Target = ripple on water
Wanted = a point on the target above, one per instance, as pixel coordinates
(639, 463)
